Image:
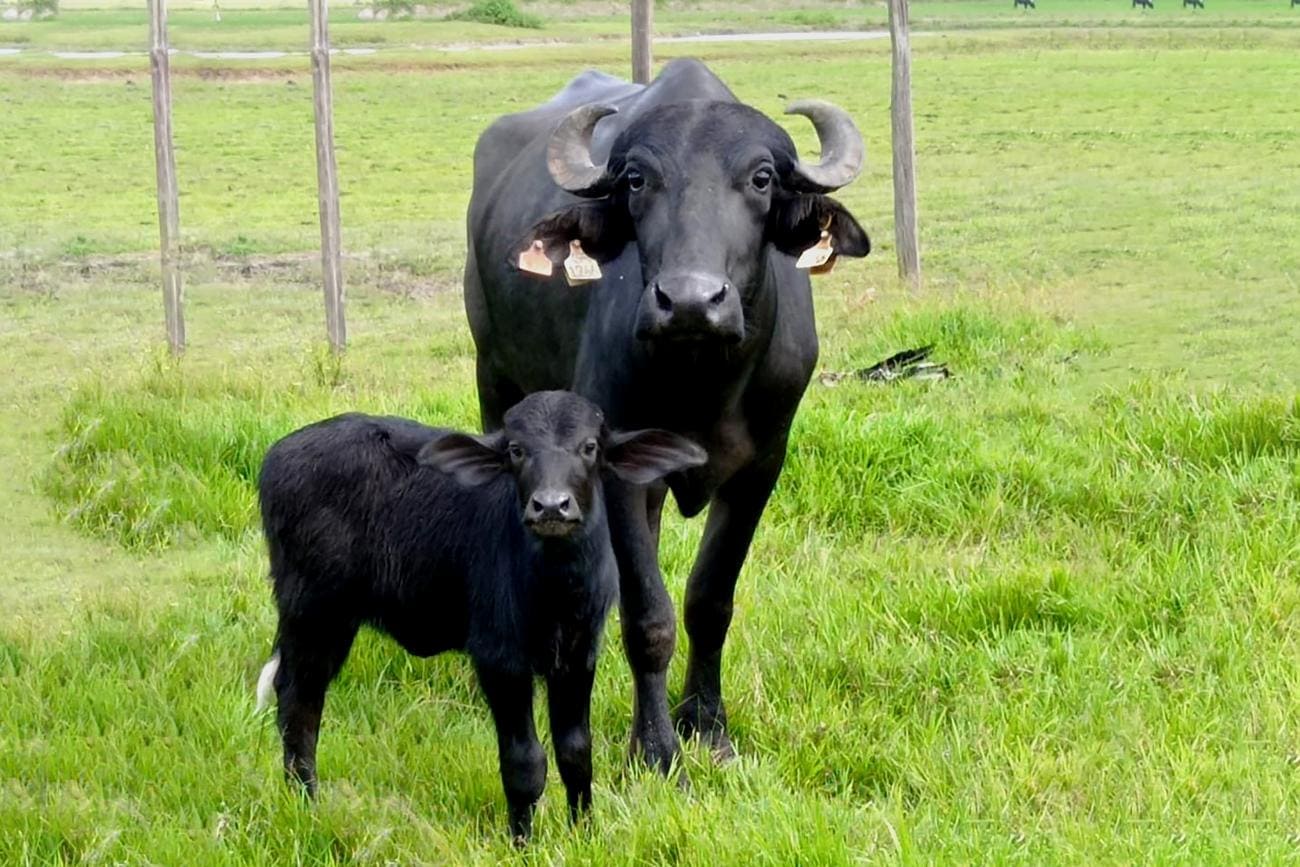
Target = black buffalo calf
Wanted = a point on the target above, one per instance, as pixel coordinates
(1028, 4)
(496, 545)
(1145, 4)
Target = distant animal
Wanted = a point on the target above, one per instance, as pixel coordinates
(496, 545)
(1028, 4)
(698, 209)
(1197, 4)
(1145, 4)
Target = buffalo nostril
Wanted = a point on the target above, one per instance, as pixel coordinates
(661, 298)
(564, 506)
(535, 506)
(721, 295)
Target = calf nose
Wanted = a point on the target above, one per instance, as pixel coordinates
(551, 505)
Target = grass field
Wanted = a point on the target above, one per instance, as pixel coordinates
(1045, 612)
(125, 27)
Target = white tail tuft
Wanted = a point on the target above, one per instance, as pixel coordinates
(266, 682)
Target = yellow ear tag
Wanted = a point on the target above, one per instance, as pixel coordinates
(535, 261)
(817, 255)
(580, 268)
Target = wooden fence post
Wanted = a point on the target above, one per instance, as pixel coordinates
(642, 27)
(905, 230)
(327, 180)
(169, 218)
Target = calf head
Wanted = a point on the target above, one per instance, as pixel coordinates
(702, 188)
(555, 445)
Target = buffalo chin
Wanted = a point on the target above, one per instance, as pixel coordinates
(553, 529)
(692, 338)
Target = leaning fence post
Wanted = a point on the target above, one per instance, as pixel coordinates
(905, 230)
(169, 218)
(327, 180)
(642, 26)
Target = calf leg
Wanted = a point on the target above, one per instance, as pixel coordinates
(523, 764)
(733, 516)
(649, 623)
(568, 700)
(311, 654)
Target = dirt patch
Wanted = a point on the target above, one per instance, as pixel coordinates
(204, 268)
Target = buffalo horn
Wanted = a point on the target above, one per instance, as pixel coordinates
(842, 148)
(568, 154)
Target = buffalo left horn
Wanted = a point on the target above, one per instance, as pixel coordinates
(842, 148)
(568, 153)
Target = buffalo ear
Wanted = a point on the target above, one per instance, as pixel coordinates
(602, 226)
(469, 460)
(795, 224)
(642, 456)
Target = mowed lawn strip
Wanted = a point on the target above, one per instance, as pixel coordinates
(118, 25)
(1042, 612)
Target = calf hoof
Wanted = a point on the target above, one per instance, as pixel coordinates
(302, 780)
(521, 826)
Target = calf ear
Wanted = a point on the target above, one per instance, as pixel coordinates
(603, 228)
(470, 460)
(795, 224)
(642, 456)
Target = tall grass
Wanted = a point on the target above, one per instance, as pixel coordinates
(980, 619)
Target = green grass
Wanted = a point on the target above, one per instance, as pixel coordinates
(271, 26)
(1043, 612)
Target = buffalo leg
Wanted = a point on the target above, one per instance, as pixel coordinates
(649, 624)
(656, 493)
(568, 700)
(496, 394)
(733, 516)
(311, 654)
(523, 764)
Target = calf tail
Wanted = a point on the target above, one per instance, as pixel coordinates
(266, 682)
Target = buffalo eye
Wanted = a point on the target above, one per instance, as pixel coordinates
(635, 180)
(516, 453)
(762, 179)
(588, 449)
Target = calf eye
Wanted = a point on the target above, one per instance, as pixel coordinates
(635, 180)
(516, 452)
(589, 449)
(762, 179)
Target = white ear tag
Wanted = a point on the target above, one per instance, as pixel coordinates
(579, 267)
(817, 255)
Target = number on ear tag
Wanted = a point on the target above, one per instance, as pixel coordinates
(580, 268)
(535, 261)
(817, 255)
(827, 268)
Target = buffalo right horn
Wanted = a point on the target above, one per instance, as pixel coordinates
(568, 153)
(842, 147)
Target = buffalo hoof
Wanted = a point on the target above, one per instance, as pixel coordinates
(662, 755)
(712, 734)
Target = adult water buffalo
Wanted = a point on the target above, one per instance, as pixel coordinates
(696, 206)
